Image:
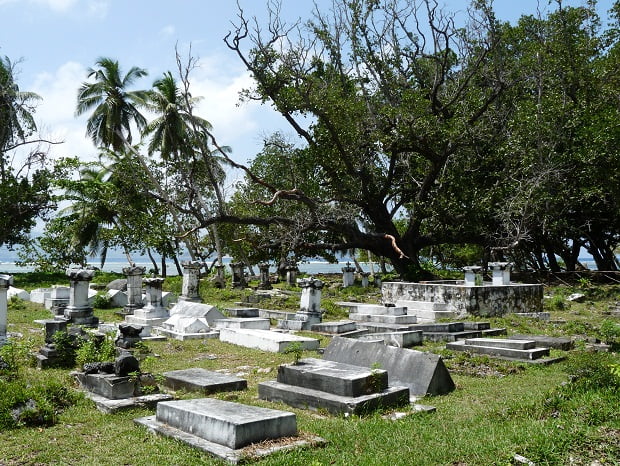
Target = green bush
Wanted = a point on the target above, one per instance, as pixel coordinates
(93, 350)
(102, 301)
(66, 346)
(610, 332)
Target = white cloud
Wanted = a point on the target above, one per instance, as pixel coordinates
(167, 31)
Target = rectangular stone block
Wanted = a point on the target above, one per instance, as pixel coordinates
(242, 311)
(399, 339)
(384, 319)
(231, 424)
(202, 380)
(378, 327)
(440, 327)
(333, 377)
(476, 325)
(451, 336)
(501, 343)
(265, 340)
(564, 344)
(335, 328)
(517, 354)
(107, 385)
(422, 305)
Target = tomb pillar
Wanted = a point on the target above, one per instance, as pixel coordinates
(500, 273)
(134, 288)
(79, 311)
(238, 275)
(191, 281)
(473, 275)
(264, 284)
(5, 282)
(348, 275)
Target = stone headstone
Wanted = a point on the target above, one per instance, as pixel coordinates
(134, 288)
(5, 282)
(238, 275)
(265, 283)
(423, 373)
(348, 275)
(500, 273)
(190, 290)
(473, 275)
(79, 311)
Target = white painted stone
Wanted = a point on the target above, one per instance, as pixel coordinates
(118, 298)
(245, 322)
(18, 292)
(265, 340)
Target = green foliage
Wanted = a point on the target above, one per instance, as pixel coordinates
(95, 350)
(13, 355)
(66, 346)
(102, 301)
(610, 332)
(296, 349)
(28, 405)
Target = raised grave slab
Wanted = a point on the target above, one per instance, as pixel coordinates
(399, 339)
(423, 373)
(203, 381)
(505, 352)
(501, 343)
(243, 322)
(564, 344)
(108, 406)
(241, 311)
(374, 309)
(378, 327)
(383, 318)
(335, 328)
(266, 340)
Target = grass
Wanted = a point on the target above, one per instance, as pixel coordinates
(499, 408)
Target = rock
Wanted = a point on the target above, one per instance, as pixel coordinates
(125, 364)
(99, 368)
(118, 284)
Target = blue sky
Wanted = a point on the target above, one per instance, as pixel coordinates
(58, 40)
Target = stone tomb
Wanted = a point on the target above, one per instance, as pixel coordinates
(266, 340)
(5, 282)
(403, 339)
(336, 387)
(154, 313)
(223, 429)
(520, 350)
(423, 373)
(190, 320)
(453, 331)
(203, 381)
(377, 314)
(79, 311)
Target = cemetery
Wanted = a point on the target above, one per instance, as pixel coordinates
(240, 380)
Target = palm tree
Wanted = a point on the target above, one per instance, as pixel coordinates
(115, 107)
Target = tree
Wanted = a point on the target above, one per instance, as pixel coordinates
(397, 97)
(114, 107)
(24, 178)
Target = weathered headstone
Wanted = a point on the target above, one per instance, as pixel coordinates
(134, 288)
(364, 276)
(79, 311)
(423, 373)
(310, 306)
(190, 290)
(291, 274)
(238, 275)
(5, 282)
(204, 381)
(265, 283)
(348, 275)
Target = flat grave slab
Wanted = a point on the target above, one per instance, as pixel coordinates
(502, 343)
(564, 344)
(266, 340)
(335, 328)
(258, 323)
(107, 405)
(399, 339)
(203, 381)
(241, 311)
(383, 318)
(517, 354)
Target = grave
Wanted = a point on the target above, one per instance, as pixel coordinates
(265, 282)
(238, 275)
(247, 322)
(5, 282)
(377, 314)
(219, 281)
(364, 276)
(190, 320)
(309, 308)
(241, 311)
(48, 355)
(423, 373)
(190, 289)
(470, 296)
(336, 387)
(18, 293)
(203, 381)
(223, 428)
(564, 344)
(348, 275)
(154, 313)
(134, 289)
(291, 273)
(521, 350)
(266, 340)
(453, 331)
(427, 311)
(113, 386)
(335, 328)
(402, 339)
(57, 300)
(79, 311)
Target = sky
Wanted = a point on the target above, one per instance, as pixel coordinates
(56, 41)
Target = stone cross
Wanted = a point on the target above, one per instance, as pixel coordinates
(264, 284)
(348, 275)
(5, 282)
(134, 288)
(473, 275)
(79, 311)
(191, 281)
(238, 275)
(501, 273)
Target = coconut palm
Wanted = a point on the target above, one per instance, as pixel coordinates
(115, 107)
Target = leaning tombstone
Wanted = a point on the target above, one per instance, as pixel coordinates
(348, 275)
(79, 311)
(191, 281)
(134, 288)
(5, 282)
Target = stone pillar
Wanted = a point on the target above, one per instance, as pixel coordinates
(134, 288)
(154, 313)
(219, 281)
(501, 273)
(191, 281)
(264, 284)
(364, 276)
(473, 275)
(348, 275)
(291, 274)
(309, 307)
(79, 311)
(5, 282)
(238, 275)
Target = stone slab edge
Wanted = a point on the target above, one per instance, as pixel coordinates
(220, 451)
(108, 406)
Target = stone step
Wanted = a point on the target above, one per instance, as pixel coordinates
(230, 424)
(399, 339)
(333, 377)
(266, 340)
(476, 325)
(501, 343)
(426, 316)
(384, 319)
(493, 332)
(275, 314)
(305, 398)
(523, 355)
(374, 309)
(422, 305)
(440, 327)
(243, 322)
(201, 380)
